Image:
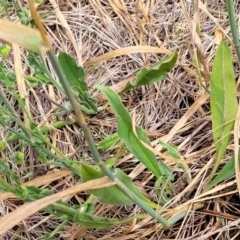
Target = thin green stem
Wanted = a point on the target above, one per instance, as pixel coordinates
(63, 208)
(6, 185)
(74, 167)
(57, 229)
(44, 129)
(234, 28)
(14, 114)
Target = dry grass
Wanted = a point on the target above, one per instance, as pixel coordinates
(106, 33)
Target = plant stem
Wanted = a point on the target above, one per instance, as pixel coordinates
(57, 229)
(44, 129)
(81, 121)
(233, 24)
(63, 208)
(60, 161)
(6, 185)
(14, 114)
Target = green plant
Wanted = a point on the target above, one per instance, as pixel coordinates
(134, 139)
(224, 103)
(72, 83)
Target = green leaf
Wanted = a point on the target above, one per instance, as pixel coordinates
(172, 151)
(91, 221)
(126, 134)
(223, 99)
(39, 70)
(7, 76)
(108, 142)
(73, 72)
(76, 78)
(112, 195)
(156, 73)
(31, 193)
(226, 172)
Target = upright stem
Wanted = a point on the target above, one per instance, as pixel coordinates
(234, 28)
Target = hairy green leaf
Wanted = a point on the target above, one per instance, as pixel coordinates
(126, 134)
(223, 99)
(156, 73)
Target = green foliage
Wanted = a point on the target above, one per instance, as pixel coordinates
(156, 73)
(126, 134)
(5, 49)
(40, 74)
(108, 142)
(112, 195)
(92, 221)
(23, 15)
(7, 76)
(76, 79)
(2, 145)
(172, 151)
(31, 193)
(4, 5)
(72, 78)
(6, 171)
(223, 100)
(226, 172)
(19, 157)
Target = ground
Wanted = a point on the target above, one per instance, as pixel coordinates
(175, 110)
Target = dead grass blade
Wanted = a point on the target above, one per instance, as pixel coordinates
(68, 30)
(20, 81)
(120, 9)
(127, 50)
(193, 183)
(236, 148)
(21, 213)
(194, 107)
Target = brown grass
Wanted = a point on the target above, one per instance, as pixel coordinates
(113, 40)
